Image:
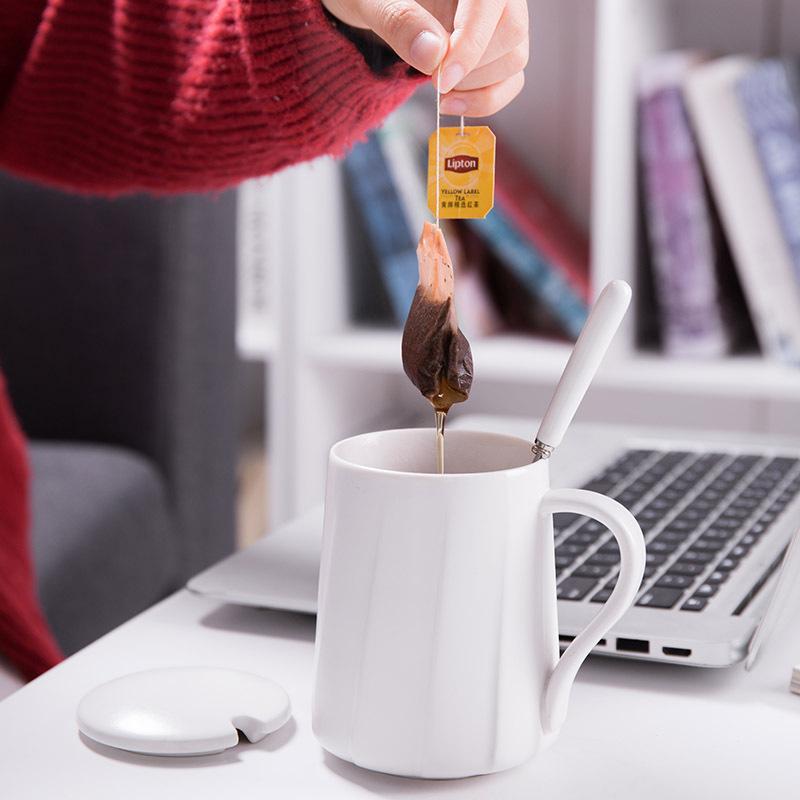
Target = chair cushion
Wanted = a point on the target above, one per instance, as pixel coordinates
(103, 540)
(25, 638)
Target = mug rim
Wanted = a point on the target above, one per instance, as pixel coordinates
(334, 453)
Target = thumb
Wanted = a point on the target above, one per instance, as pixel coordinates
(413, 33)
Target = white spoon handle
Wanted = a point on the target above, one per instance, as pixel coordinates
(583, 363)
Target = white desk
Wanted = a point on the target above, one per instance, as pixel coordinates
(634, 730)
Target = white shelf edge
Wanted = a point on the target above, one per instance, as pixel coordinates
(523, 359)
(501, 357)
(256, 343)
(733, 377)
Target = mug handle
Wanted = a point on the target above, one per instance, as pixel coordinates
(630, 539)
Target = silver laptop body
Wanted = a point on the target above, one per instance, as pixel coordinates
(281, 570)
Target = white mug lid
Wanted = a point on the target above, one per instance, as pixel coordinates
(182, 711)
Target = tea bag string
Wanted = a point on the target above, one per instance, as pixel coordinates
(439, 415)
(438, 128)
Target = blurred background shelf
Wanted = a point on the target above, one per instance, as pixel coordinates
(526, 360)
(575, 125)
(501, 357)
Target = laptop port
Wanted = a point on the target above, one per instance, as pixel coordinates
(683, 652)
(633, 646)
(565, 639)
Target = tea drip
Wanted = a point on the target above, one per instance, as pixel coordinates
(436, 355)
(440, 417)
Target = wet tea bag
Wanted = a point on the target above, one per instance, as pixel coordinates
(436, 354)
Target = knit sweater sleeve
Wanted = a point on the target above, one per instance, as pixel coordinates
(118, 96)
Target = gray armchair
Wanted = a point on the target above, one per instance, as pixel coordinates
(117, 342)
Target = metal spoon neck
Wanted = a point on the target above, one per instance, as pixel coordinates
(541, 450)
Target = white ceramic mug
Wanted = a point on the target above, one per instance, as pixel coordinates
(437, 638)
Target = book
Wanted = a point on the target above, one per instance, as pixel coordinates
(530, 235)
(368, 301)
(794, 683)
(688, 253)
(517, 310)
(770, 105)
(534, 276)
(760, 251)
(525, 223)
(403, 139)
(522, 198)
(254, 254)
(391, 242)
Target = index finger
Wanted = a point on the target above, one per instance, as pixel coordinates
(474, 28)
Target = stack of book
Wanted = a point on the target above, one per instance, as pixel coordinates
(523, 268)
(719, 155)
(795, 682)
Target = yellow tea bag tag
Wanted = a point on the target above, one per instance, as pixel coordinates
(461, 184)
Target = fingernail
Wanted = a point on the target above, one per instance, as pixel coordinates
(453, 105)
(451, 77)
(426, 51)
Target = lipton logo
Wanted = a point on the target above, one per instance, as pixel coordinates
(461, 163)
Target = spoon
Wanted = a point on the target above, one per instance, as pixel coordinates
(594, 339)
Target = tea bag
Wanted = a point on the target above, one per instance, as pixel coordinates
(436, 354)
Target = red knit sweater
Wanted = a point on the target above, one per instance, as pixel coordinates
(117, 96)
(25, 636)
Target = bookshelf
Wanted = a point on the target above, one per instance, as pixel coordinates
(575, 123)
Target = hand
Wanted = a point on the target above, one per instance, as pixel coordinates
(476, 50)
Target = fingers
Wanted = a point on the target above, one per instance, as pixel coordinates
(484, 101)
(483, 32)
(496, 71)
(408, 28)
(478, 67)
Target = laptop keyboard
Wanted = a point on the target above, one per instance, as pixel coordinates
(701, 514)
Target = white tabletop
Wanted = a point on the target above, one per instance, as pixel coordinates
(634, 730)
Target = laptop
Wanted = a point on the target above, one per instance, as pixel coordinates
(718, 513)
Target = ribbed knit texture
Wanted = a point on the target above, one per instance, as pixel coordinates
(25, 637)
(117, 96)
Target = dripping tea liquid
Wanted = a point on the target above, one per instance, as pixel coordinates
(440, 417)
(442, 402)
